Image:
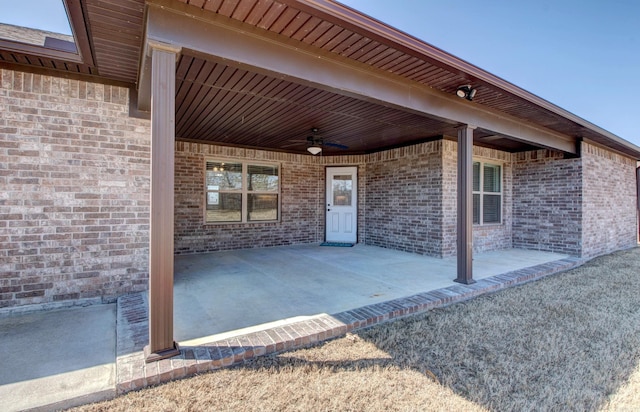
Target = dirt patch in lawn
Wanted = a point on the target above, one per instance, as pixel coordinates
(567, 342)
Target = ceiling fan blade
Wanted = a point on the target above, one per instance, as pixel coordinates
(292, 145)
(336, 145)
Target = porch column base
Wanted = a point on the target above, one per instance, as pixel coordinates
(464, 281)
(161, 354)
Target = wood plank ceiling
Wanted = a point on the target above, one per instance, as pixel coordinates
(361, 126)
(226, 105)
(283, 18)
(116, 28)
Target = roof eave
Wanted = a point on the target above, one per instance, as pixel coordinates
(375, 29)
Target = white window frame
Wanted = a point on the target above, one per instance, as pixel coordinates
(244, 191)
(481, 192)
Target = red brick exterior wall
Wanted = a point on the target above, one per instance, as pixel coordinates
(412, 200)
(301, 205)
(496, 236)
(302, 180)
(485, 237)
(547, 202)
(580, 206)
(74, 209)
(74, 172)
(609, 201)
(404, 199)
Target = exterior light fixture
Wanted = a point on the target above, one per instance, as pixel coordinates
(314, 150)
(466, 92)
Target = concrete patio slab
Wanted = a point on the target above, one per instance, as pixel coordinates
(232, 306)
(58, 358)
(306, 288)
(224, 291)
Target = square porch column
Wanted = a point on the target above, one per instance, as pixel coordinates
(163, 80)
(465, 205)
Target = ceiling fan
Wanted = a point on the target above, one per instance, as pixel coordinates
(315, 143)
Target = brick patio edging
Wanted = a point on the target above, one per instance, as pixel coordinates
(133, 322)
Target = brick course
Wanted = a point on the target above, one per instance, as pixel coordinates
(74, 168)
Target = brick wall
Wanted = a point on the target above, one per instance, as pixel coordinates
(496, 236)
(74, 169)
(302, 179)
(547, 202)
(609, 201)
(401, 200)
(449, 197)
(485, 237)
(404, 199)
(301, 214)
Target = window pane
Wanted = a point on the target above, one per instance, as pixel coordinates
(491, 178)
(262, 178)
(476, 176)
(224, 176)
(491, 209)
(476, 209)
(342, 186)
(224, 207)
(262, 207)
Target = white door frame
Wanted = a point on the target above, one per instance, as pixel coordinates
(341, 219)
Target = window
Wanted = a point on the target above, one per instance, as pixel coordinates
(342, 188)
(241, 192)
(487, 193)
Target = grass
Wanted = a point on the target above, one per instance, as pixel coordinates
(567, 342)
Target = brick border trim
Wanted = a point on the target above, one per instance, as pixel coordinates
(133, 373)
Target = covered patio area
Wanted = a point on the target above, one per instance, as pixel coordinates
(230, 293)
(231, 306)
(270, 139)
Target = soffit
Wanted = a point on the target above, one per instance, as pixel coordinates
(227, 105)
(338, 29)
(115, 30)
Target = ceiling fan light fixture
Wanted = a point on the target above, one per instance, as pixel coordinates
(314, 150)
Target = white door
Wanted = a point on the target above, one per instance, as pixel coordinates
(342, 204)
